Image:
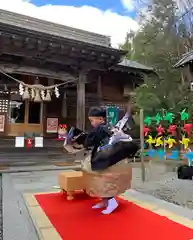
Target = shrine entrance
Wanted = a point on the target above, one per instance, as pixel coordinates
(25, 117)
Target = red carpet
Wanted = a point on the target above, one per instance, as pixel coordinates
(76, 220)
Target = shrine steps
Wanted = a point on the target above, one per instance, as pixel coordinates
(52, 151)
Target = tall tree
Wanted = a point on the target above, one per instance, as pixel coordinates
(128, 44)
(185, 23)
(157, 44)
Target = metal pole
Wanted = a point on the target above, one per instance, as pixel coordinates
(142, 145)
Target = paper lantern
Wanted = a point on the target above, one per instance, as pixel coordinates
(21, 89)
(37, 96)
(56, 92)
(26, 94)
(48, 96)
(42, 93)
(32, 94)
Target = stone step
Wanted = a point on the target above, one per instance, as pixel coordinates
(35, 158)
(50, 147)
(46, 142)
(10, 159)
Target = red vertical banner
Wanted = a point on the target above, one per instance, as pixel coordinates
(29, 142)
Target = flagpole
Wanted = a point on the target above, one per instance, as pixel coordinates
(142, 145)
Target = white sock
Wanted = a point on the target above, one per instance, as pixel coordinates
(112, 205)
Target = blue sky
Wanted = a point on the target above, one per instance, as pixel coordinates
(113, 5)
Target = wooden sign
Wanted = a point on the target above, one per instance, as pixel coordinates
(2, 123)
(39, 142)
(52, 125)
(19, 142)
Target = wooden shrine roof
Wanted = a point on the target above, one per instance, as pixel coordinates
(50, 43)
(44, 27)
(185, 59)
(29, 37)
(128, 65)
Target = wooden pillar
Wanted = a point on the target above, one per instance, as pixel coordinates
(80, 112)
(99, 90)
(188, 73)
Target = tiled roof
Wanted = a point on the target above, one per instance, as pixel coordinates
(53, 29)
(134, 65)
(185, 59)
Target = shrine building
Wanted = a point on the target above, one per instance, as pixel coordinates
(52, 74)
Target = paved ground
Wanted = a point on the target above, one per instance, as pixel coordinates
(161, 183)
(16, 222)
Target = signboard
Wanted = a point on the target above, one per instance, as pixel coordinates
(19, 142)
(39, 142)
(112, 115)
(2, 123)
(52, 125)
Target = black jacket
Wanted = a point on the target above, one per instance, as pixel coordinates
(99, 136)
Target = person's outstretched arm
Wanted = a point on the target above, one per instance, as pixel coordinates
(91, 138)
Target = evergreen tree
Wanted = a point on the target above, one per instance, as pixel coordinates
(158, 44)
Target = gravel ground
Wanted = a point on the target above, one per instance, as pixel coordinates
(162, 183)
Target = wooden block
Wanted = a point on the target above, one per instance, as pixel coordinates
(71, 181)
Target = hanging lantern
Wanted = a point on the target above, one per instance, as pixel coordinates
(37, 96)
(42, 93)
(26, 94)
(57, 92)
(21, 89)
(48, 96)
(32, 94)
